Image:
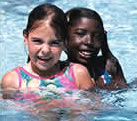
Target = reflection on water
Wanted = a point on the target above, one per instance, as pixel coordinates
(65, 105)
(72, 106)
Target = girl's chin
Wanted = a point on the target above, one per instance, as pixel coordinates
(41, 66)
(82, 61)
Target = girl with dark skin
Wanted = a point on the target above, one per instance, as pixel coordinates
(86, 37)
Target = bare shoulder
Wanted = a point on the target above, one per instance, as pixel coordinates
(79, 68)
(82, 77)
(9, 80)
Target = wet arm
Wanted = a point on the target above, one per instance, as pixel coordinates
(9, 85)
(112, 66)
(115, 76)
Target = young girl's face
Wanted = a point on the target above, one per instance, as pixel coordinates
(44, 47)
(84, 40)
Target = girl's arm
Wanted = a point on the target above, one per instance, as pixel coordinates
(114, 69)
(82, 76)
(112, 66)
(9, 84)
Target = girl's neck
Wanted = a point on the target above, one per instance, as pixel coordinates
(91, 70)
(91, 66)
(35, 71)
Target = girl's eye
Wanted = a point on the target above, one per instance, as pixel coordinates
(56, 43)
(38, 41)
(81, 33)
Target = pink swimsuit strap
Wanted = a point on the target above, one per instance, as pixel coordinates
(20, 79)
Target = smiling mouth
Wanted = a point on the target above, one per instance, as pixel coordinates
(44, 59)
(86, 54)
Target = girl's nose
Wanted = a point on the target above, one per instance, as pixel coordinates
(89, 39)
(45, 49)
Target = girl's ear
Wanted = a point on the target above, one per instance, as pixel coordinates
(25, 35)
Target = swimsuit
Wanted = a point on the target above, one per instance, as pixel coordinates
(45, 99)
(105, 76)
(64, 79)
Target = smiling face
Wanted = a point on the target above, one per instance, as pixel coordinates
(44, 46)
(84, 40)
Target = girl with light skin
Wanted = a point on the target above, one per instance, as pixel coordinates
(45, 35)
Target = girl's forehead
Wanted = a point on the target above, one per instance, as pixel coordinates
(41, 27)
(44, 31)
(87, 22)
(42, 24)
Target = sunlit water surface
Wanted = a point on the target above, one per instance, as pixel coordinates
(120, 20)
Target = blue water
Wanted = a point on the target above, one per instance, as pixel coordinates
(107, 106)
(120, 20)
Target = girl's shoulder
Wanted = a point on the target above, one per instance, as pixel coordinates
(10, 79)
(77, 68)
(10, 75)
(82, 76)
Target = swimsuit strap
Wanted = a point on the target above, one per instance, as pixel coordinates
(68, 80)
(71, 71)
(18, 73)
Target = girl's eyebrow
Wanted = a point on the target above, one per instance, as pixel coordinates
(35, 37)
(80, 29)
(54, 39)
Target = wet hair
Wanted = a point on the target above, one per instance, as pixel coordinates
(45, 12)
(75, 13)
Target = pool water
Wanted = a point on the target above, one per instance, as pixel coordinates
(73, 106)
(120, 20)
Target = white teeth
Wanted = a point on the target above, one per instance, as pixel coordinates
(43, 58)
(86, 53)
